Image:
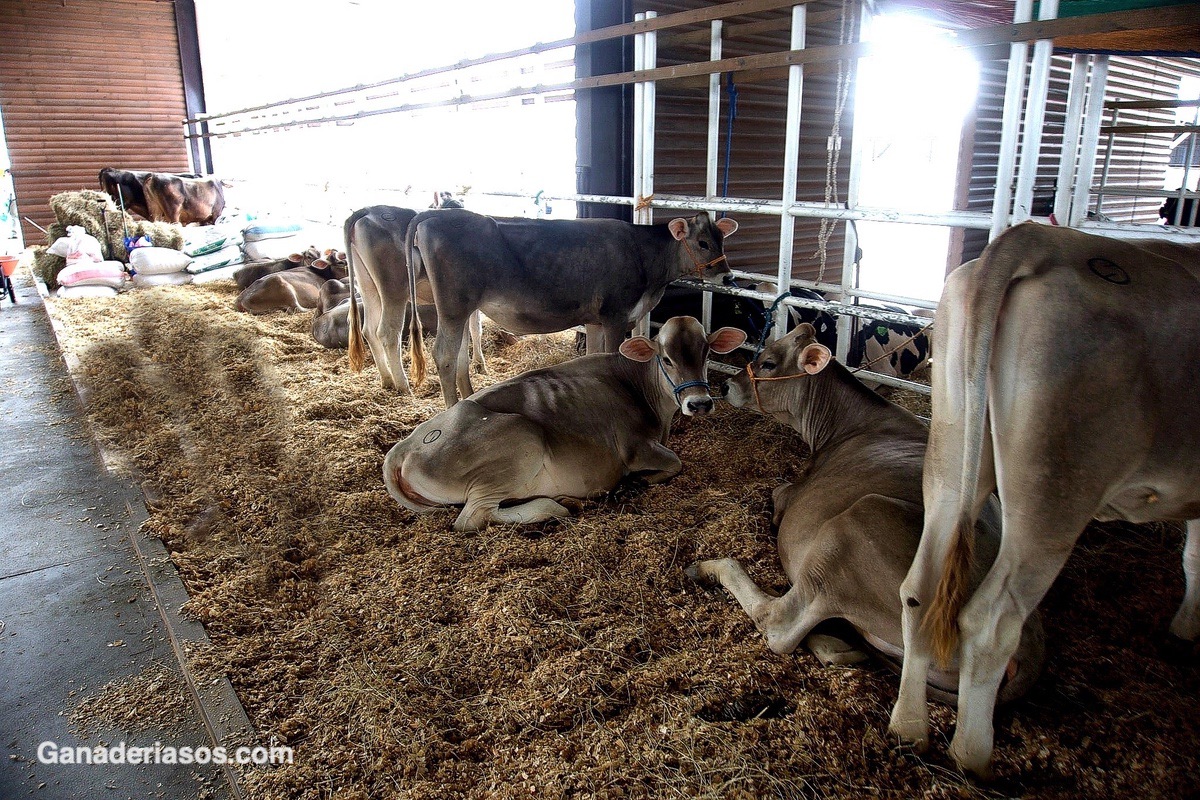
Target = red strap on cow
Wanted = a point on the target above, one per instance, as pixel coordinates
(754, 381)
(700, 267)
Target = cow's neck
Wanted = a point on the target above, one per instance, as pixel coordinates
(648, 383)
(835, 407)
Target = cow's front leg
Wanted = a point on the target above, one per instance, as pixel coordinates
(1186, 624)
(594, 338)
(614, 335)
(784, 621)
(655, 463)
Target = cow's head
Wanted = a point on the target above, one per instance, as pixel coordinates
(701, 250)
(776, 382)
(680, 352)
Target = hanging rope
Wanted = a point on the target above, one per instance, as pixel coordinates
(731, 90)
(834, 148)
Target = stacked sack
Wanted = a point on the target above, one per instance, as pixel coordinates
(158, 266)
(268, 240)
(86, 274)
(215, 251)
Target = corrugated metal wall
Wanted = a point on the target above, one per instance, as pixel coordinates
(86, 84)
(1137, 162)
(756, 157)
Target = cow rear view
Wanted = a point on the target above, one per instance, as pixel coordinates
(1057, 389)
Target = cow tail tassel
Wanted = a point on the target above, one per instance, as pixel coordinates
(357, 348)
(941, 619)
(416, 335)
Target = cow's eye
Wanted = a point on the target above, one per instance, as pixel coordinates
(703, 244)
(768, 364)
(667, 361)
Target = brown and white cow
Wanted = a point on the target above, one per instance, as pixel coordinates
(171, 198)
(1066, 382)
(378, 269)
(124, 186)
(572, 430)
(296, 289)
(542, 276)
(848, 530)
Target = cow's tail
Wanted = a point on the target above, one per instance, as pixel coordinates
(965, 365)
(356, 345)
(416, 336)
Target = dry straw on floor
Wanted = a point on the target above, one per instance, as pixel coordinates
(402, 659)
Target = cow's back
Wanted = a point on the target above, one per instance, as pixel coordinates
(1094, 361)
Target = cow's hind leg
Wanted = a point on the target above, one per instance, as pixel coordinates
(446, 348)
(784, 621)
(476, 323)
(1186, 624)
(387, 339)
(462, 371)
(1031, 555)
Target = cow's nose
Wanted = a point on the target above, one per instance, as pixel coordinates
(700, 405)
(727, 279)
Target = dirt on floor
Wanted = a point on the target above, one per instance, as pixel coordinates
(401, 659)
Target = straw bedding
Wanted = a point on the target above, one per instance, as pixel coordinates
(402, 659)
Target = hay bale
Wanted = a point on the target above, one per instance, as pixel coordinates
(99, 216)
(47, 266)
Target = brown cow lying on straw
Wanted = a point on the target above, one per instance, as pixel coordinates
(848, 531)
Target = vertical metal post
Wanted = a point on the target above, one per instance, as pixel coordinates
(1092, 117)
(1035, 116)
(1076, 92)
(850, 242)
(791, 162)
(639, 108)
(714, 142)
(1183, 185)
(1108, 151)
(1010, 128)
(649, 61)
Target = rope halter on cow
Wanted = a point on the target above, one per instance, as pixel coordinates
(678, 387)
(755, 380)
(699, 273)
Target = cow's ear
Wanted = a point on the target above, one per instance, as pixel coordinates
(678, 228)
(727, 227)
(295, 258)
(638, 348)
(320, 263)
(726, 339)
(814, 358)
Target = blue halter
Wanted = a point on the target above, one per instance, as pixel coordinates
(678, 387)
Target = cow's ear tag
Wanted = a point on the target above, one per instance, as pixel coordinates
(726, 339)
(814, 358)
(638, 348)
(678, 228)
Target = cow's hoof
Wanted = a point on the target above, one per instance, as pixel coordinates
(572, 504)
(701, 576)
(971, 764)
(834, 652)
(913, 734)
